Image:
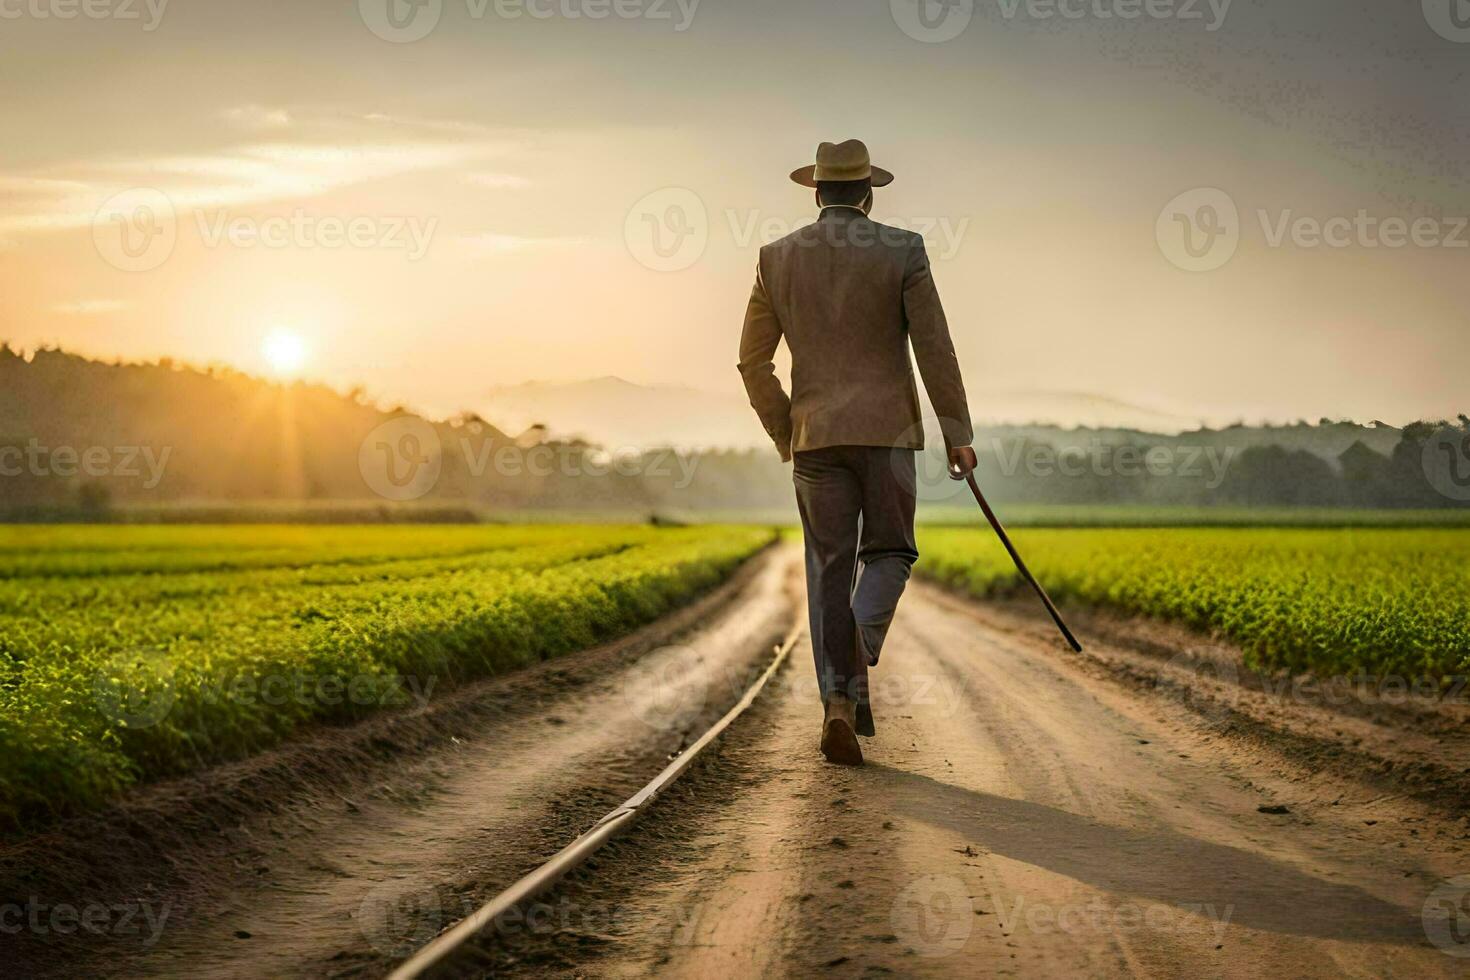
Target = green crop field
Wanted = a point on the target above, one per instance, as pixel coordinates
(129, 653)
(1327, 601)
(961, 511)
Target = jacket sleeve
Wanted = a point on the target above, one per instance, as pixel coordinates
(933, 350)
(758, 342)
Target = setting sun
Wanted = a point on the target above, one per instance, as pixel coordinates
(285, 352)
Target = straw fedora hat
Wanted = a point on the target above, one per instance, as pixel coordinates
(847, 160)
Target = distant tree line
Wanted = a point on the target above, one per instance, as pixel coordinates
(1178, 471)
(83, 439)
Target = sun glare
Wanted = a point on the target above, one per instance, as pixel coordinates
(285, 352)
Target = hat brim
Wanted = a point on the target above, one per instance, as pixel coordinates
(807, 176)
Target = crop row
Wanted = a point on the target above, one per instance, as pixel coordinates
(117, 668)
(1329, 602)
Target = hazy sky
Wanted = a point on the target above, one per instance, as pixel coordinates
(478, 206)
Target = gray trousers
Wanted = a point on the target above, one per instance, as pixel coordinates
(857, 515)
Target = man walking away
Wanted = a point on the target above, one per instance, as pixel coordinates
(850, 295)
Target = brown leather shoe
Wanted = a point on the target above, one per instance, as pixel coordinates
(839, 732)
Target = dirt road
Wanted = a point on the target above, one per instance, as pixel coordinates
(407, 823)
(1024, 812)
(1021, 814)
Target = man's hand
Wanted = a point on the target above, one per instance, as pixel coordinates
(961, 462)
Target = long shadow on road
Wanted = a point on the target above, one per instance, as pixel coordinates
(1155, 864)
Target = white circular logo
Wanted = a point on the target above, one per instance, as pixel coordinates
(1208, 687)
(401, 21)
(135, 230)
(401, 459)
(1199, 230)
(933, 915)
(929, 478)
(135, 688)
(667, 688)
(1446, 460)
(932, 21)
(667, 231)
(396, 921)
(1450, 19)
(1446, 916)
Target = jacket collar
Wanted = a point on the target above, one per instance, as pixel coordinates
(844, 212)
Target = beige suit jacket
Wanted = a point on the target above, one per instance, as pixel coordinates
(850, 295)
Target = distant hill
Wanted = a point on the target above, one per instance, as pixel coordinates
(1019, 407)
(1326, 438)
(214, 434)
(81, 437)
(86, 437)
(613, 412)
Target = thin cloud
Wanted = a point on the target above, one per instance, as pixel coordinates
(239, 177)
(498, 182)
(26, 186)
(89, 307)
(425, 125)
(254, 116)
(495, 242)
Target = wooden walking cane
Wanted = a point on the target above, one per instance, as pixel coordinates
(1020, 565)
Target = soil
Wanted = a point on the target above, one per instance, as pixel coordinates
(1026, 811)
(340, 853)
(1147, 808)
